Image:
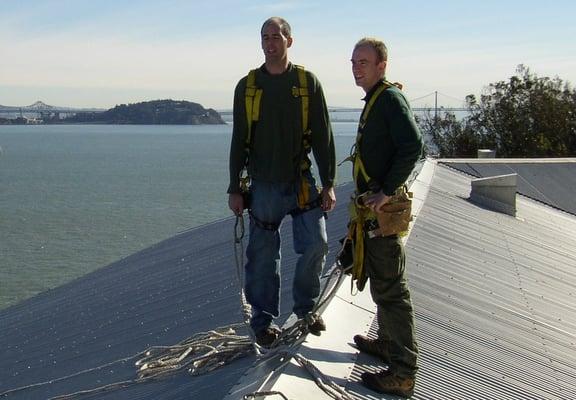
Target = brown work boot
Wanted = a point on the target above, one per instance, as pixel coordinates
(378, 348)
(316, 325)
(387, 382)
(267, 337)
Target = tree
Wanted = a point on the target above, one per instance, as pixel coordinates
(449, 136)
(526, 116)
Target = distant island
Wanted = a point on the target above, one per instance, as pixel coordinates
(155, 112)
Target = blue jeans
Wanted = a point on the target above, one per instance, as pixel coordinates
(270, 203)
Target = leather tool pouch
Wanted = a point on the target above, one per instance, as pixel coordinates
(394, 217)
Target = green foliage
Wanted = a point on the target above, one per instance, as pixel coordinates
(527, 116)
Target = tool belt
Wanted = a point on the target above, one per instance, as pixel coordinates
(394, 217)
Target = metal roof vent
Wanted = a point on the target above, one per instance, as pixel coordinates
(497, 193)
(486, 153)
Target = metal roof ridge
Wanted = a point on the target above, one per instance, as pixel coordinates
(507, 160)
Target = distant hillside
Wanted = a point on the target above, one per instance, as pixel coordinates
(8, 108)
(156, 112)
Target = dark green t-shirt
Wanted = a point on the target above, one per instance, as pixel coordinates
(276, 148)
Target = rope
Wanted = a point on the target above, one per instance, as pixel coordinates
(204, 352)
(324, 382)
(39, 384)
(291, 334)
(285, 342)
(239, 233)
(200, 354)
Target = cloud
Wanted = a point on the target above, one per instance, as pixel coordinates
(178, 47)
(108, 62)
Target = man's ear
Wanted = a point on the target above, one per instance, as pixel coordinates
(289, 41)
(382, 67)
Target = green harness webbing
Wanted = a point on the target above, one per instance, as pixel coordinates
(253, 96)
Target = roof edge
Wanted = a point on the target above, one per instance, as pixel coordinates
(507, 160)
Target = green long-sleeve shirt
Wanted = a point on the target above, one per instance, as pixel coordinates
(276, 144)
(391, 142)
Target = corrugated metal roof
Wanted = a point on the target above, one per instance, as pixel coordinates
(551, 181)
(159, 296)
(493, 296)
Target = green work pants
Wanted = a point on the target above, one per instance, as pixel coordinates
(384, 262)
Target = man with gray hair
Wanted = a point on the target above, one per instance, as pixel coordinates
(280, 118)
(388, 145)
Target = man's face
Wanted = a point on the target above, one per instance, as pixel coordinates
(366, 69)
(274, 44)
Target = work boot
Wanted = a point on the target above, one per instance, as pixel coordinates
(378, 348)
(316, 324)
(267, 337)
(387, 382)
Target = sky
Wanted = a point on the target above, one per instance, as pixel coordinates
(102, 53)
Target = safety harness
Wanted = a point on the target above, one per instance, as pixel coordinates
(253, 97)
(362, 219)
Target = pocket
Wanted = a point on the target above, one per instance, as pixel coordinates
(394, 218)
(385, 258)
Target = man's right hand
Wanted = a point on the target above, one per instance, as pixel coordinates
(236, 203)
(376, 200)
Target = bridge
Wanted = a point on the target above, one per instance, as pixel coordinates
(418, 105)
(424, 103)
(43, 110)
(359, 110)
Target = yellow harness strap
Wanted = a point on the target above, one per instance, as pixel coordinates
(358, 164)
(302, 93)
(356, 234)
(359, 215)
(253, 97)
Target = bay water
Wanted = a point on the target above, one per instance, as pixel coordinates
(74, 198)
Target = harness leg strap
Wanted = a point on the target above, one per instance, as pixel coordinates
(307, 207)
(269, 226)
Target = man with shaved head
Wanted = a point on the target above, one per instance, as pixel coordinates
(280, 119)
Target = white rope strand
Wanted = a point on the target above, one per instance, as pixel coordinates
(204, 352)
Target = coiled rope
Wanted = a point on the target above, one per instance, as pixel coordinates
(199, 354)
(204, 352)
